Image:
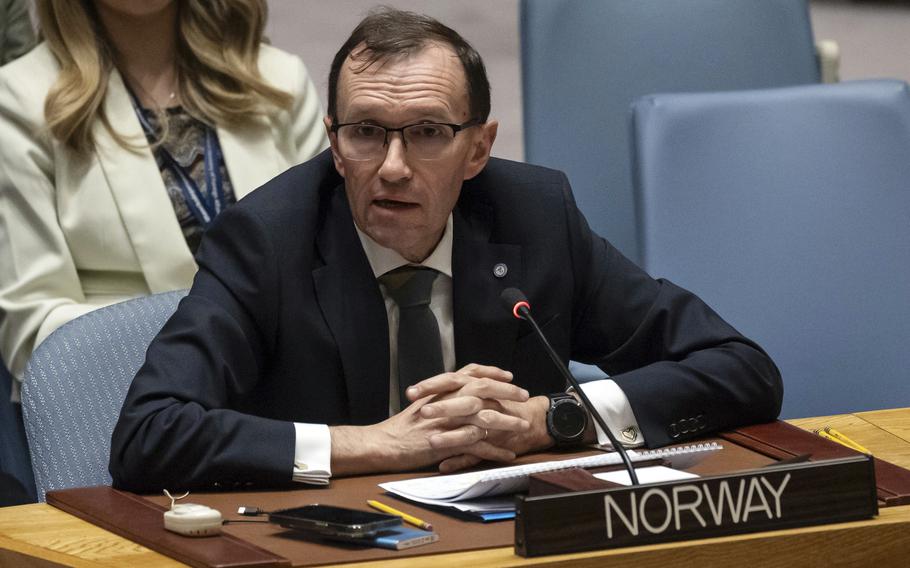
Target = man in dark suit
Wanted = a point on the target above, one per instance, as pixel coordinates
(297, 354)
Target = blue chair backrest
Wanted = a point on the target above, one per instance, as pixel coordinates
(788, 211)
(585, 61)
(74, 386)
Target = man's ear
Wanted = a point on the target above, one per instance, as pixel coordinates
(480, 148)
(333, 142)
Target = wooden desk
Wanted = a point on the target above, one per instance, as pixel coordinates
(40, 535)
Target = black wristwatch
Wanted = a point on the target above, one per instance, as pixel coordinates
(567, 419)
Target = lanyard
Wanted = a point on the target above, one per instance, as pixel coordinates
(203, 207)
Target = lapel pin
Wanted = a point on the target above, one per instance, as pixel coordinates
(500, 270)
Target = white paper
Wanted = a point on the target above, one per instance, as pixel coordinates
(646, 475)
(447, 489)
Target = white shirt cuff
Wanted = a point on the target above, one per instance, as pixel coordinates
(312, 454)
(614, 407)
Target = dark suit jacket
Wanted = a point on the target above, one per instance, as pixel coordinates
(285, 322)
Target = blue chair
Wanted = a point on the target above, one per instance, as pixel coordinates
(585, 61)
(788, 211)
(74, 387)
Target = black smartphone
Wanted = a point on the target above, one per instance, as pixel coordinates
(334, 522)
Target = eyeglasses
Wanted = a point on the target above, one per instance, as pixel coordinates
(423, 141)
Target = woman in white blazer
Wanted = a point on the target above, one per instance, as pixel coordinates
(86, 218)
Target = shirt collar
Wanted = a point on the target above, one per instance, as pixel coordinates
(384, 259)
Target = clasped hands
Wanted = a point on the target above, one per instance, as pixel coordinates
(476, 414)
(455, 420)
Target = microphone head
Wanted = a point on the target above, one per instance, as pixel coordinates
(512, 299)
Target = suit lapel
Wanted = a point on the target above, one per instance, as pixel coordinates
(485, 332)
(353, 307)
(250, 156)
(141, 197)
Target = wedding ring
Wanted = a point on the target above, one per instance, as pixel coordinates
(485, 433)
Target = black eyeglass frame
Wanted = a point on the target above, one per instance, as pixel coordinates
(456, 128)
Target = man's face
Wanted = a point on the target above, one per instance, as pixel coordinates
(401, 202)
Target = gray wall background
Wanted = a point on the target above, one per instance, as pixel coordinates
(874, 38)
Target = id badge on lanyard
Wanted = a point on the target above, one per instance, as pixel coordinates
(203, 207)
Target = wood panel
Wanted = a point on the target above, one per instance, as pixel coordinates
(886, 433)
(69, 541)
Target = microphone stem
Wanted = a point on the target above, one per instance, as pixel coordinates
(526, 315)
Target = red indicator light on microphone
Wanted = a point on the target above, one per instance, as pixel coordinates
(517, 306)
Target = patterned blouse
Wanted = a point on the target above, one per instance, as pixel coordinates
(185, 141)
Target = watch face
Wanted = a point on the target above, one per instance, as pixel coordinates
(569, 420)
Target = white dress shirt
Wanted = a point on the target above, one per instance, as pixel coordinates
(312, 460)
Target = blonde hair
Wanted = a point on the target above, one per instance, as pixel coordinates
(217, 66)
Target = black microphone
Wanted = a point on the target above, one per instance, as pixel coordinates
(515, 301)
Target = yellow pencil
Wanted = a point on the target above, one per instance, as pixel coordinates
(406, 517)
(828, 436)
(843, 443)
(848, 441)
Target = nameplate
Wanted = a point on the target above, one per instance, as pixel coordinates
(777, 497)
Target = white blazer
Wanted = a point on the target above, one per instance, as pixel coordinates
(78, 232)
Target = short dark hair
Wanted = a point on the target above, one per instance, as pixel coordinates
(387, 32)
